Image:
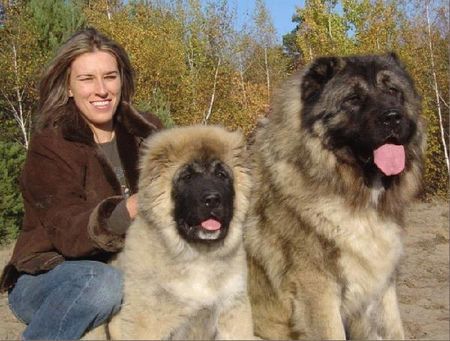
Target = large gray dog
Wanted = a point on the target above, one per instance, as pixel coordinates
(336, 164)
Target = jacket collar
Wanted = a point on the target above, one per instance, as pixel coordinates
(130, 128)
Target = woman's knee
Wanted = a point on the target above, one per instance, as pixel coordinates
(106, 287)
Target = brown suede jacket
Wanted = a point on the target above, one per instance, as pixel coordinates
(69, 191)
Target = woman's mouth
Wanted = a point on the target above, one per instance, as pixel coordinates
(101, 104)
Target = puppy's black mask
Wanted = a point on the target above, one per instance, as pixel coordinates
(203, 194)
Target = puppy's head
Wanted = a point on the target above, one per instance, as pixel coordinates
(194, 186)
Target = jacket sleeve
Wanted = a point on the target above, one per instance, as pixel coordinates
(52, 184)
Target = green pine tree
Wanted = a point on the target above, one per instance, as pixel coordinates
(12, 156)
(55, 21)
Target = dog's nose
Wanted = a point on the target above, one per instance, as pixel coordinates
(212, 200)
(391, 118)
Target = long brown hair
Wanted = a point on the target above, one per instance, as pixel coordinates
(53, 93)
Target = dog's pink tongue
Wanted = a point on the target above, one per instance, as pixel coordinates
(211, 225)
(390, 159)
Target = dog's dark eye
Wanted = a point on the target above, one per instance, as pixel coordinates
(327, 115)
(353, 99)
(221, 173)
(186, 175)
(393, 91)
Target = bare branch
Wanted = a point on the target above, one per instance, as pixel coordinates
(443, 101)
(13, 108)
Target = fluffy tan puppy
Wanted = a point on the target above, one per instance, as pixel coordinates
(184, 262)
(337, 162)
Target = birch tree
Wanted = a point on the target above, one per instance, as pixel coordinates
(19, 58)
(265, 35)
(322, 29)
(218, 30)
(30, 33)
(438, 96)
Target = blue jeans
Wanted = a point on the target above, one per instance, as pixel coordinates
(68, 300)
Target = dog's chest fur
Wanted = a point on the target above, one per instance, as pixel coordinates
(370, 248)
(205, 283)
(195, 280)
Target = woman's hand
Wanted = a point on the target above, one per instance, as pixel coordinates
(132, 206)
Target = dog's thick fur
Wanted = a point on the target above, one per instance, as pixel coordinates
(324, 233)
(179, 287)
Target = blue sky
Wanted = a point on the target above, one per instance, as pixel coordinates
(281, 12)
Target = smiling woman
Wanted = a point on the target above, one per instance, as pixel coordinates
(79, 186)
(95, 85)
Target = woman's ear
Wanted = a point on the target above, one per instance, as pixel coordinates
(69, 92)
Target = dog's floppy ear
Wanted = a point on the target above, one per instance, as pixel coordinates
(318, 74)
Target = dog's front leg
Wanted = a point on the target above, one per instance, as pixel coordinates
(316, 312)
(235, 320)
(380, 321)
(391, 326)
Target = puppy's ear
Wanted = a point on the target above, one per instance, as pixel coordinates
(318, 74)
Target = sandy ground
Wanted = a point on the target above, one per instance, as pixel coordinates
(423, 285)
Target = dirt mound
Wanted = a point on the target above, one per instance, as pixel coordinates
(423, 285)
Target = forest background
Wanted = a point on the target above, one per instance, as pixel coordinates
(195, 65)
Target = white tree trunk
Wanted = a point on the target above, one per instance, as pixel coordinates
(436, 90)
(190, 56)
(213, 95)
(16, 106)
(241, 77)
(108, 10)
(330, 34)
(266, 63)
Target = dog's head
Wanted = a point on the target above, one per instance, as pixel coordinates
(194, 186)
(365, 109)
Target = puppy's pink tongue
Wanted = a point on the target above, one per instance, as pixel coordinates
(211, 225)
(390, 159)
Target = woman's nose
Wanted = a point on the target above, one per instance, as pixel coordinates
(100, 88)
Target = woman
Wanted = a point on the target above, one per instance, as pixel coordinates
(78, 184)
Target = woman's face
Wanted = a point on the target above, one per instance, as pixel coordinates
(95, 86)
